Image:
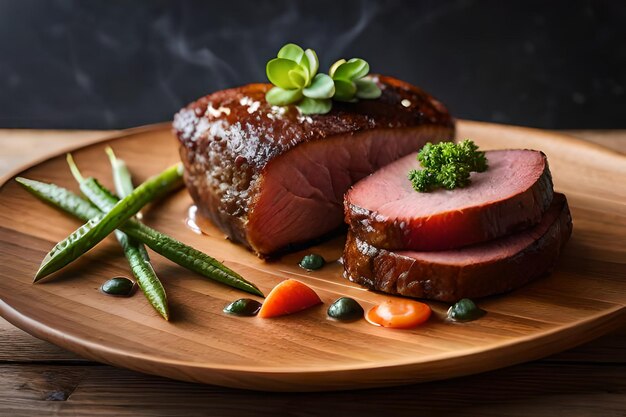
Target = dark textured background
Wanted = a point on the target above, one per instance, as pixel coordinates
(113, 64)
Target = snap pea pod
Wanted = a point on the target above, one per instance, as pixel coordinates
(140, 264)
(176, 251)
(95, 230)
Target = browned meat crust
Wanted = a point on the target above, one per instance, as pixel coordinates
(449, 229)
(230, 138)
(490, 268)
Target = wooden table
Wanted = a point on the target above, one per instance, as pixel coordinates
(37, 378)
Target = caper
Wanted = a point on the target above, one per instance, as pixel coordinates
(312, 262)
(243, 307)
(345, 309)
(465, 310)
(119, 286)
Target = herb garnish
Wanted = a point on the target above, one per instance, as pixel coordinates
(349, 82)
(447, 165)
(294, 75)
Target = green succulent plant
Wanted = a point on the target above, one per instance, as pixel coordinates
(296, 81)
(294, 75)
(350, 82)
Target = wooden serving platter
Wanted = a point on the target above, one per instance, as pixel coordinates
(584, 298)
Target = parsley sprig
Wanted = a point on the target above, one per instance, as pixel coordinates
(447, 165)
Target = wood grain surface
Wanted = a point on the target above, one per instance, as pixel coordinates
(24, 146)
(539, 302)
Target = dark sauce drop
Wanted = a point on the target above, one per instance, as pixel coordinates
(119, 287)
(465, 310)
(243, 307)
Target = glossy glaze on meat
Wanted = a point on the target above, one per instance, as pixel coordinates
(270, 177)
(471, 272)
(385, 211)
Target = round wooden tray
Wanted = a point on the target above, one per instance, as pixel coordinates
(584, 298)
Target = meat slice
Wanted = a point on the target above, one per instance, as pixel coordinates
(471, 272)
(270, 177)
(386, 212)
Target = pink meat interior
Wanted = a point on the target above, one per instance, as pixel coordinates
(495, 249)
(389, 193)
(302, 191)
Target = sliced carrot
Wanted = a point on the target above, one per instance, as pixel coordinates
(288, 297)
(398, 313)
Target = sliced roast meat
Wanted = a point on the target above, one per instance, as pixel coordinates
(386, 212)
(471, 272)
(270, 177)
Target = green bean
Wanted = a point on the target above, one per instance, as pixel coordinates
(140, 264)
(96, 229)
(190, 258)
(121, 175)
(144, 273)
(172, 249)
(84, 210)
(61, 197)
